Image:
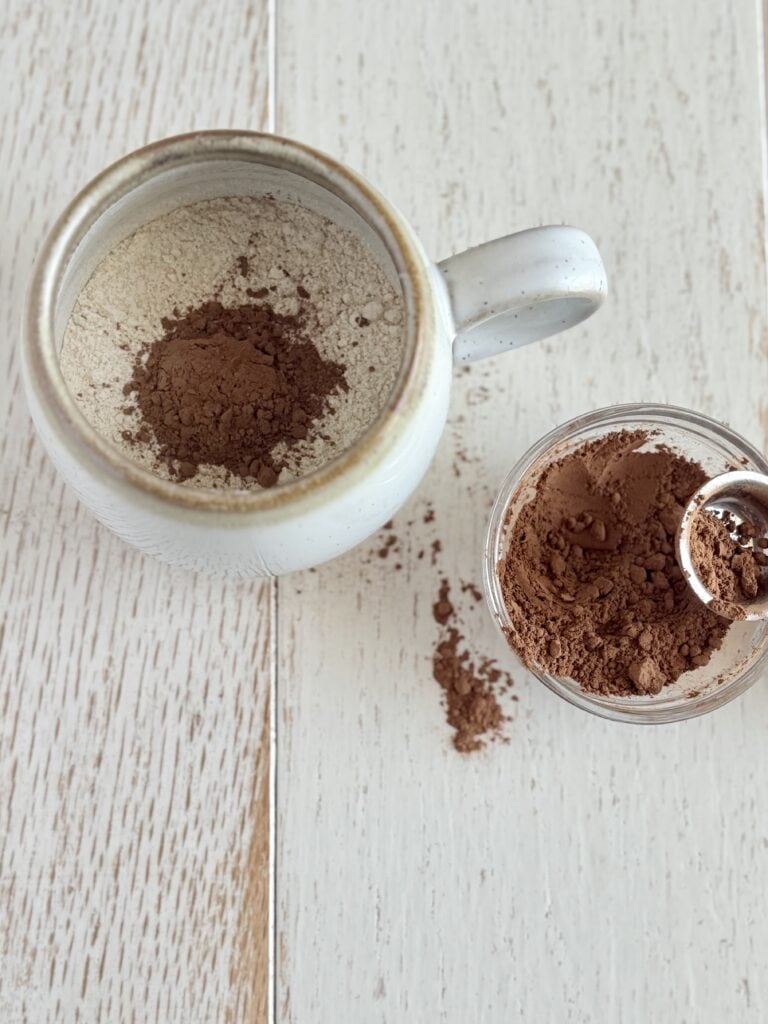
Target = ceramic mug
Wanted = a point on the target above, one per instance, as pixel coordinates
(496, 297)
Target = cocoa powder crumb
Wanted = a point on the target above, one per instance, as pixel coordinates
(590, 579)
(442, 609)
(472, 589)
(388, 545)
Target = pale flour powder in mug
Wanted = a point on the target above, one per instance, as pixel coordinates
(224, 248)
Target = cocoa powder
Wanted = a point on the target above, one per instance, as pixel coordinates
(726, 560)
(590, 578)
(471, 687)
(224, 386)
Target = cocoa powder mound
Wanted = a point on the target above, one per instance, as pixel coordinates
(224, 386)
(590, 578)
(470, 687)
(726, 562)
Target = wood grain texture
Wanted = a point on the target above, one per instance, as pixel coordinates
(585, 872)
(134, 700)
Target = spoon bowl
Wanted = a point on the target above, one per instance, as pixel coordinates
(737, 498)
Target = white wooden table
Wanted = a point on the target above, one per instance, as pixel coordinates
(152, 866)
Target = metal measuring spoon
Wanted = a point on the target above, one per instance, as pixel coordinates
(735, 498)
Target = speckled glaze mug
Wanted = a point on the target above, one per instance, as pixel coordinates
(496, 297)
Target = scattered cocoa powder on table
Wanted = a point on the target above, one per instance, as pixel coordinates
(590, 579)
(474, 689)
(471, 687)
(224, 386)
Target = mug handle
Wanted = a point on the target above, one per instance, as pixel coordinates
(522, 288)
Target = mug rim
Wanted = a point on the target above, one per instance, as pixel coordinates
(41, 356)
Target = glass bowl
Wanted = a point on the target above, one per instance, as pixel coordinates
(743, 657)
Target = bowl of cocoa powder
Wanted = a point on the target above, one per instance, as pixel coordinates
(581, 573)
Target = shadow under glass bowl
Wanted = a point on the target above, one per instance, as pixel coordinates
(743, 657)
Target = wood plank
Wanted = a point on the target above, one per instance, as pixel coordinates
(134, 700)
(584, 872)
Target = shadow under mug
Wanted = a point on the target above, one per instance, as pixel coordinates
(498, 296)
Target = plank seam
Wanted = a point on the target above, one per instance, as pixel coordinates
(274, 615)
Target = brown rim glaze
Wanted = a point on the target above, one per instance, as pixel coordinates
(119, 179)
